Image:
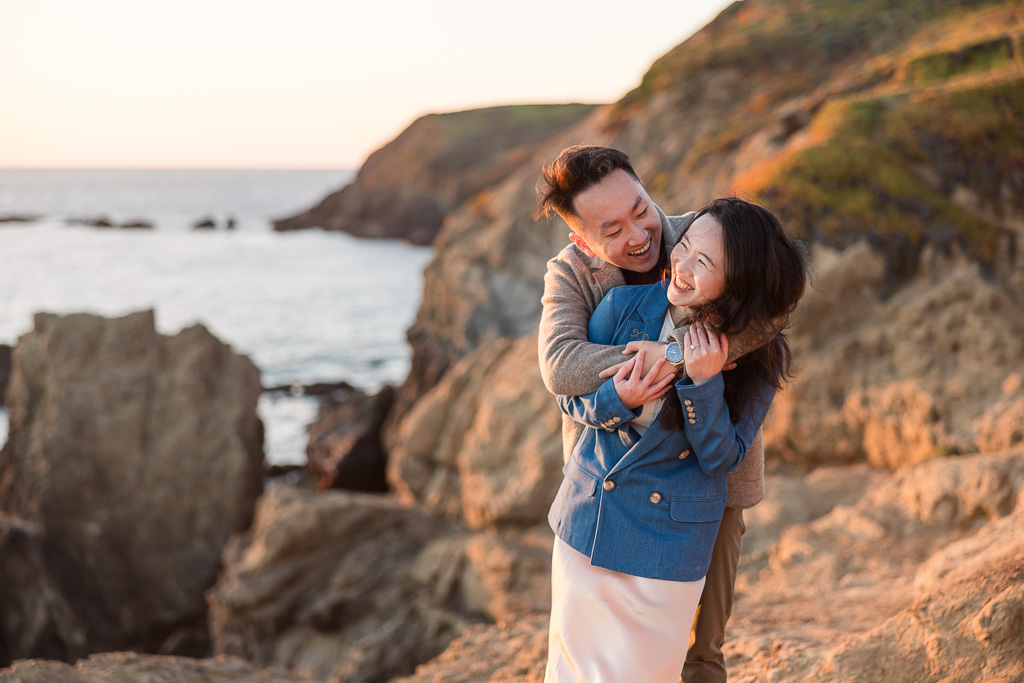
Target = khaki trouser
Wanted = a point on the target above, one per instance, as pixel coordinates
(705, 662)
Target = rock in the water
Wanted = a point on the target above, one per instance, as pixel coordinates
(326, 584)
(132, 457)
(344, 449)
(485, 444)
(122, 667)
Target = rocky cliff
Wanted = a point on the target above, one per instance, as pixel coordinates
(406, 188)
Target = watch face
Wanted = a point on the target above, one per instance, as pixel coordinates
(673, 354)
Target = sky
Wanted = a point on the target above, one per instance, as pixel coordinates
(299, 83)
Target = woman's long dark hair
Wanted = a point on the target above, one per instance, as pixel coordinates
(765, 276)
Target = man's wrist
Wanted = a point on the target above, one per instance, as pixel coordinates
(674, 356)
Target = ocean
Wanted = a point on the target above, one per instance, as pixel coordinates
(308, 306)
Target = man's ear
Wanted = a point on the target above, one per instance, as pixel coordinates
(582, 244)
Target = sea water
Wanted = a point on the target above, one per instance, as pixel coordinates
(308, 306)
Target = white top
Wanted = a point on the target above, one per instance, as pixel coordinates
(651, 408)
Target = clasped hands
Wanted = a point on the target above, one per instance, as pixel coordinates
(647, 375)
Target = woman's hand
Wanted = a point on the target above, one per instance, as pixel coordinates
(704, 352)
(635, 387)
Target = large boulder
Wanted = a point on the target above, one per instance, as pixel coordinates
(485, 444)
(328, 584)
(132, 458)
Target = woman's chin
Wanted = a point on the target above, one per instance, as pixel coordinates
(686, 299)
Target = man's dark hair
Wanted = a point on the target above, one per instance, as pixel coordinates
(576, 169)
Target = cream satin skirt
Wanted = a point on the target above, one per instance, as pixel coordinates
(610, 627)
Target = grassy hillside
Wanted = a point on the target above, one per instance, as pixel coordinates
(931, 154)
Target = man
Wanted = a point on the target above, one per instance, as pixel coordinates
(619, 236)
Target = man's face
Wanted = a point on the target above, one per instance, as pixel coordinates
(617, 222)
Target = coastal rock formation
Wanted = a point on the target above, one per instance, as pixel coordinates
(132, 457)
(405, 189)
(120, 667)
(484, 445)
(897, 381)
(326, 584)
(344, 449)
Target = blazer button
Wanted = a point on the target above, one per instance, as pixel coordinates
(655, 497)
(688, 402)
(609, 485)
(616, 420)
(692, 421)
(685, 453)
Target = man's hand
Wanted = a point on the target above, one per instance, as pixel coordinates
(635, 387)
(704, 352)
(655, 350)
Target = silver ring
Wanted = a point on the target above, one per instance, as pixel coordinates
(693, 346)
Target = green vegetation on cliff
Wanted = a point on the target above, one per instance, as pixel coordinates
(927, 153)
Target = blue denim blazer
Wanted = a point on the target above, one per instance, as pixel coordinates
(649, 506)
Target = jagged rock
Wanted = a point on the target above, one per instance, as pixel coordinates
(324, 584)
(406, 189)
(122, 667)
(923, 373)
(132, 457)
(344, 449)
(485, 444)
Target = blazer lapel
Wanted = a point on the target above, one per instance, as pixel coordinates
(655, 435)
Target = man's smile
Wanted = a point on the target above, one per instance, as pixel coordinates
(644, 249)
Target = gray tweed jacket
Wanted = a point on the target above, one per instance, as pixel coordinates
(569, 364)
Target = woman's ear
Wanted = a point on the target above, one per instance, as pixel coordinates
(582, 244)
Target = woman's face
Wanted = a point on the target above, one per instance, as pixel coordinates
(698, 264)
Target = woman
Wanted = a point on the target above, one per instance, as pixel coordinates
(644, 491)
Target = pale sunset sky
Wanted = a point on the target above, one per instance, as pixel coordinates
(299, 83)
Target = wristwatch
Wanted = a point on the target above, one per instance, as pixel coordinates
(674, 355)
